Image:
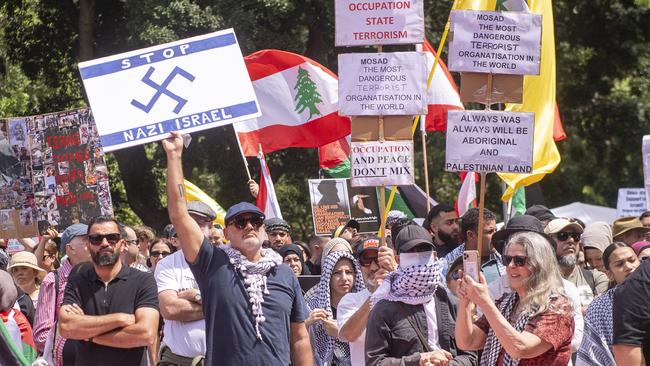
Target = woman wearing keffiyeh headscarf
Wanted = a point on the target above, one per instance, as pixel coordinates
(340, 274)
(532, 325)
(619, 261)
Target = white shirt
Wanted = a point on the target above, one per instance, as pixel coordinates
(349, 305)
(432, 324)
(183, 338)
(501, 286)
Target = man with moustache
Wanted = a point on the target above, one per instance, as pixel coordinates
(112, 309)
(442, 223)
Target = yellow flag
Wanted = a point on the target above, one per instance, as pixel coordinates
(194, 193)
(539, 97)
(474, 4)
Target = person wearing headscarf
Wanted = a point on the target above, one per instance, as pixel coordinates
(412, 317)
(336, 244)
(533, 325)
(292, 256)
(596, 348)
(14, 321)
(596, 237)
(340, 275)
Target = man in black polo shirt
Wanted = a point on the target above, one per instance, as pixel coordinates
(252, 302)
(632, 318)
(112, 309)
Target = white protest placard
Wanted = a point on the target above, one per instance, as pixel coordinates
(363, 22)
(495, 42)
(373, 84)
(631, 202)
(189, 85)
(645, 150)
(489, 141)
(377, 163)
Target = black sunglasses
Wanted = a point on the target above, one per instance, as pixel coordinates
(241, 222)
(520, 260)
(159, 254)
(644, 258)
(366, 261)
(97, 239)
(564, 235)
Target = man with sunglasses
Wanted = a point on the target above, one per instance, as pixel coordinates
(112, 309)
(181, 303)
(253, 305)
(566, 235)
(353, 309)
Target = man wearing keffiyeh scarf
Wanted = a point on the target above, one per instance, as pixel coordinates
(322, 303)
(253, 306)
(412, 319)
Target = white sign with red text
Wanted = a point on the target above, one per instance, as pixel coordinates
(375, 22)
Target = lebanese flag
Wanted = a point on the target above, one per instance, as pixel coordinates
(467, 193)
(267, 201)
(443, 92)
(298, 98)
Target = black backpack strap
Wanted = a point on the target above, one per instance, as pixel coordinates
(589, 277)
(56, 293)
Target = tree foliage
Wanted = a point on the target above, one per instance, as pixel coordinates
(603, 92)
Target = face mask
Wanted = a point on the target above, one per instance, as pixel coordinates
(415, 259)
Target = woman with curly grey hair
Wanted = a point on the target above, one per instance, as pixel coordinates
(533, 325)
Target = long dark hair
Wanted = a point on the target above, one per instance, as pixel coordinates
(608, 253)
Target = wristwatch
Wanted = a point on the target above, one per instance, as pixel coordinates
(197, 297)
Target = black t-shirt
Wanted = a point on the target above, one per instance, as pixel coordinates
(230, 328)
(632, 310)
(131, 289)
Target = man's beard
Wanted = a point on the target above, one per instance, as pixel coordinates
(102, 258)
(447, 239)
(568, 261)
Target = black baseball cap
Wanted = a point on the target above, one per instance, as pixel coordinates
(519, 224)
(412, 236)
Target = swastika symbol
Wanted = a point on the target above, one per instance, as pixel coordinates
(162, 89)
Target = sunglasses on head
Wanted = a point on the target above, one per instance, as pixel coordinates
(565, 235)
(241, 222)
(520, 260)
(366, 261)
(97, 239)
(156, 254)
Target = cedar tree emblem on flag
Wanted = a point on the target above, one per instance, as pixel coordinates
(306, 94)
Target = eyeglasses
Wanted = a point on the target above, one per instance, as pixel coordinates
(644, 258)
(241, 222)
(455, 275)
(366, 261)
(565, 235)
(520, 260)
(97, 239)
(159, 254)
(133, 242)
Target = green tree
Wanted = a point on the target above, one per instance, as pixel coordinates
(307, 95)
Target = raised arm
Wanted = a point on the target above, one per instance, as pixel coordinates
(39, 250)
(74, 324)
(189, 234)
(140, 334)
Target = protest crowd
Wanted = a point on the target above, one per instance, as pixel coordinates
(251, 293)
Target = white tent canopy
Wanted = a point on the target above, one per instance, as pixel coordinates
(586, 213)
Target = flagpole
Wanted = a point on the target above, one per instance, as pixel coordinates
(241, 151)
(481, 204)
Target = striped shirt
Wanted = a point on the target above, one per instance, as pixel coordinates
(44, 321)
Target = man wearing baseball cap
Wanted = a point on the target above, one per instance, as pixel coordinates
(349, 231)
(412, 321)
(566, 235)
(253, 305)
(73, 244)
(353, 309)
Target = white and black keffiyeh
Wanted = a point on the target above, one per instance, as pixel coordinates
(255, 275)
(493, 347)
(598, 336)
(323, 345)
(413, 285)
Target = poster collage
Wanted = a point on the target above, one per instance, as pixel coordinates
(53, 173)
